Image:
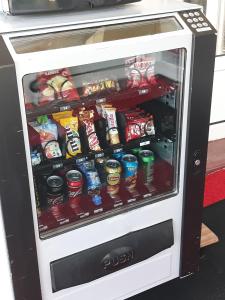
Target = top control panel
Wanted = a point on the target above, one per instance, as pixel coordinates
(196, 21)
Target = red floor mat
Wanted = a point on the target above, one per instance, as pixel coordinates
(214, 187)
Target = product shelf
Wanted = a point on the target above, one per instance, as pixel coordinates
(64, 217)
(56, 164)
(124, 98)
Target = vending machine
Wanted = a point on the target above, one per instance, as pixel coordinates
(104, 130)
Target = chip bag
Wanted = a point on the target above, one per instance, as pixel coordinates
(48, 133)
(56, 85)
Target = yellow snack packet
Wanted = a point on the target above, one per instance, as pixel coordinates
(72, 135)
(62, 114)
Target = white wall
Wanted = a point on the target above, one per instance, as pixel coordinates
(217, 119)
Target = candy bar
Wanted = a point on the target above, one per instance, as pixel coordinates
(112, 125)
(87, 118)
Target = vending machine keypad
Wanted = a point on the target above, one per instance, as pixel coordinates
(197, 21)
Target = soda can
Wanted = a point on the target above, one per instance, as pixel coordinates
(130, 165)
(147, 159)
(74, 184)
(55, 193)
(113, 171)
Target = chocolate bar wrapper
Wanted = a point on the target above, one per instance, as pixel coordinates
(112, 126)
(87, 118)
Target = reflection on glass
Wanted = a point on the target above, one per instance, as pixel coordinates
(203, 3)
(104, 137)
(93, 35)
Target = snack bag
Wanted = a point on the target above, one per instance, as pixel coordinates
(139, 126)
(56, 85)
(48, 136)
(71, 126)
(72, 135)
(103, 86)
(139, 70)
(62, 114)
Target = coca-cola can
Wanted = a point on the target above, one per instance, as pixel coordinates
(55, 193)
(74, 185)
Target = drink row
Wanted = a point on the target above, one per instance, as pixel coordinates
(91, 176)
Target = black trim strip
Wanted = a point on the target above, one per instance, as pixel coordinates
(14, 187)
(201, 82)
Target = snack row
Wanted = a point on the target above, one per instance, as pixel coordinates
(65, 85)
(71, 133)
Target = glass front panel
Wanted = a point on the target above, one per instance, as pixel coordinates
(93, 35)
(104, 137)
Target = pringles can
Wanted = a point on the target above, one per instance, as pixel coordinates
(147, 159)
(130, 167)
(113, 171)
